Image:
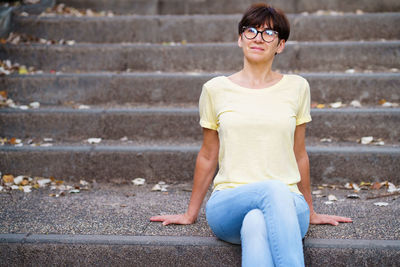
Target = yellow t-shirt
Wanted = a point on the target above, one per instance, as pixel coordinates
(256, 129)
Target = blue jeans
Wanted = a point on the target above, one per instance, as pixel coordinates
(266, 218)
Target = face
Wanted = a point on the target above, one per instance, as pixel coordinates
(258, 50)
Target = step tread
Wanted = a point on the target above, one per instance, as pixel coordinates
(39, 213)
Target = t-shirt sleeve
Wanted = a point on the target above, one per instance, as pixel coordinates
(303, 112)
(207, 112)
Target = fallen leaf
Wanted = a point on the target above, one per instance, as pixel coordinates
(317, 192)
(43, 182)
(348, 186)
(392, 188)
(382, 101)
(139, 181)
(336, 104)
(94, 140)
(83, 182)
(356, 187)
(326, 140)
(355, 103)
(23, 70)
(18, 179)
(161, 186)
(381, 204)
(83, 107)
(332, 198)
(8, 178)
(27, 188)
(34, 105)
(376, 185)
(366, 140)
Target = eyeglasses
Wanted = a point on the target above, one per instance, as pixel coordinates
(267, 35)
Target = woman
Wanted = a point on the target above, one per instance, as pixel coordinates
(254, 124)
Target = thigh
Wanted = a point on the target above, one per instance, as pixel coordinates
(226, 209)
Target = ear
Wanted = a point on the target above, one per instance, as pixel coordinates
(240, 41)
(281, 46)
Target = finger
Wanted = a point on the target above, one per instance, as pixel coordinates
(157, 218)
(341, 219)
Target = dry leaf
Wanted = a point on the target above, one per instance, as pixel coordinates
(8, 178)
(18, 179)
(356, 187)
(326, 140)
(27, 188)
(94, 140)
(355, 103)
(34, 105)
(336, 104)
(381, 204)
(43, 182)
(366, 140)
(332, 198)
(139, 181)
(376, 185)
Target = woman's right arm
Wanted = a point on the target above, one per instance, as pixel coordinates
(206, 163)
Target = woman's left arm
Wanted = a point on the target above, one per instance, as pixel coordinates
(304, 184)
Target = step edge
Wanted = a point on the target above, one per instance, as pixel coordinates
(184, 241)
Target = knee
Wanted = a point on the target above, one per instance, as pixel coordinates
(254, 225)
(275, 188)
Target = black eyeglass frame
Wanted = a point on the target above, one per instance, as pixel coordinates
(261, 32)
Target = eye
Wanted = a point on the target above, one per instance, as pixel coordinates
(252, 30)
(269, 32)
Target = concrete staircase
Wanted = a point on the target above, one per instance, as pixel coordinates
(141, 72)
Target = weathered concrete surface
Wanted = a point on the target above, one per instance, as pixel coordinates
(215, 57)
(176, 88)
(174, 163)
(110, 224)
(215, 28)
(152, 7)
(162, 123)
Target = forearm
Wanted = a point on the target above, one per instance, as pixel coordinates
(203, 175)
(305, 185)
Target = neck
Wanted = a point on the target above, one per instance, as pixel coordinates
(259, 73)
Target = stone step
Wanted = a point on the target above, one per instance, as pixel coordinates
(152, 7)
(298, 56)
(109, 225)
(214, 28)
(177, 88)
(336, 163)
(161, 123)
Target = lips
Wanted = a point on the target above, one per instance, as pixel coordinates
(257, 48)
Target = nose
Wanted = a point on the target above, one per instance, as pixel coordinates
(258, 37)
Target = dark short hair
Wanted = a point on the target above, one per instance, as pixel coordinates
(262, 14)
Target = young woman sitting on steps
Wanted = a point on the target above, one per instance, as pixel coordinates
(254, 126)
